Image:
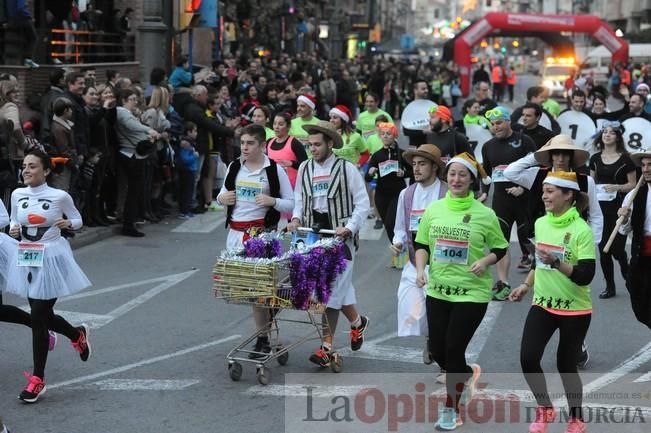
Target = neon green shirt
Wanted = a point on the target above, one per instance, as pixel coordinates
(353, 147)
(552, 106)
(296, 130)
(374, 143)
(269, 133)
(457, 232)
(571, 238)
(366, 122)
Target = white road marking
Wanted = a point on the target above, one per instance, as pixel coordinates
(386, 353)
(631, 364)
(644, 378)
(202, 223)
(301, 390)
(142, 363)
(484, 331)
(138, 385)
(94, 321)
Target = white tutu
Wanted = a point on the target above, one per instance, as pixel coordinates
(412, 312)
(8, 246)
(59, 276)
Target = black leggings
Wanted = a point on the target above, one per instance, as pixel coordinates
(451, 327)
(12, 314)
(617, 249)
(538, 330)
(43, 318)
(509, 210)
(387, 205)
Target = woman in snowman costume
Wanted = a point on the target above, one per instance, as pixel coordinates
(43, 267)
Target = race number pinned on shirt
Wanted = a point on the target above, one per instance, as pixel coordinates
(320, 186)
(636, 134)
(30, 254)
(450, 251)
(603, 195)
(414, 219)
(557, 251)
(498, 173)
(388, 166)
(247, 190)
(579, 126)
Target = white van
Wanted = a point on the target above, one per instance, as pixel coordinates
(599, 59)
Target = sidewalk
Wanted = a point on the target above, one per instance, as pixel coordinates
(90, 235)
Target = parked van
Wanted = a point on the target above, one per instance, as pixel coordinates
(599, 59)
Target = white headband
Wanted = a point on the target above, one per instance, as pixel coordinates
(305, 100)
(465, 163)
(340, 113)
(562, 183)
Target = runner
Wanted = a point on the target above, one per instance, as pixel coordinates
(305, 106)
(354, 146)
(530, 117)
(285, 150)
(392, 169)
(615, 175)
(637, 219)
(366, 119)
(560, 154)
(256, 190)
(537, 95)
(330, 194)
(452, 237)
(45, 268)
(428, 168)
(373, 144)
(447, 139)
(261, 116)
(509, 200)
(565, 266)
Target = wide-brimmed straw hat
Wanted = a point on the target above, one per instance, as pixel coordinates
(326, 128)
(427, 151)
(642, 153)
(561, 142)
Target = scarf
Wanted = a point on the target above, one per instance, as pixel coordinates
(563, 220)
(459, 204)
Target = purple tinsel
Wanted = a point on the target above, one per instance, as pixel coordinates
(260, 249)
(313, 274)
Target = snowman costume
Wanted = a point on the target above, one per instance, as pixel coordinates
(57, 274)
(7, 247)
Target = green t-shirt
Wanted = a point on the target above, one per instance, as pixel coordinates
(366, 122)
(296, 130)
(552, 106)
(374, 143)
(457, 236)
(269, 133)
(571, 237)
(353, 147)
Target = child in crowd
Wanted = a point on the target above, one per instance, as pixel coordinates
(188, 164)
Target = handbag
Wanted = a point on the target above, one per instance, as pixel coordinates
(145, 147)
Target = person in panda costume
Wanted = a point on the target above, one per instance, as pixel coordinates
(42, 267)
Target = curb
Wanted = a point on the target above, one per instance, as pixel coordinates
(91, 235)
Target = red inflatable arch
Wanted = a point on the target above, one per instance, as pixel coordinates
(529, 23)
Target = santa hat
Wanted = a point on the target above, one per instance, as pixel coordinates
(343, 112)
(563, 179)
(308, 100)
(469, 161)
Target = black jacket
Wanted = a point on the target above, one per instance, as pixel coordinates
(80, 119)
(196, 113)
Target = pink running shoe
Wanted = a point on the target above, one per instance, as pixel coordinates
(52, 341)
(576, 426)
(34, 389)
(544, 417)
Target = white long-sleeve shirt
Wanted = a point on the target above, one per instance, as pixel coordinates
(361, 203)
(248, 183)
(41, 207)
(524, 171)
(4, 216)
(627, 228)
(423, 197)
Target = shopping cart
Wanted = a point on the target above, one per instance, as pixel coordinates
(266, 284)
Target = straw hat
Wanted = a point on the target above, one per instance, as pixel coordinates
(642, 153)
(561, 142)
(326, 128)
(427, 151)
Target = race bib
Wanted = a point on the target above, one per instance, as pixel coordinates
(30, 254)
(603, 195)
(498, 174)
(414, 219)
(246, 190)
(556, 250)
(449, 251)
(320, 186)
(389, 166)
